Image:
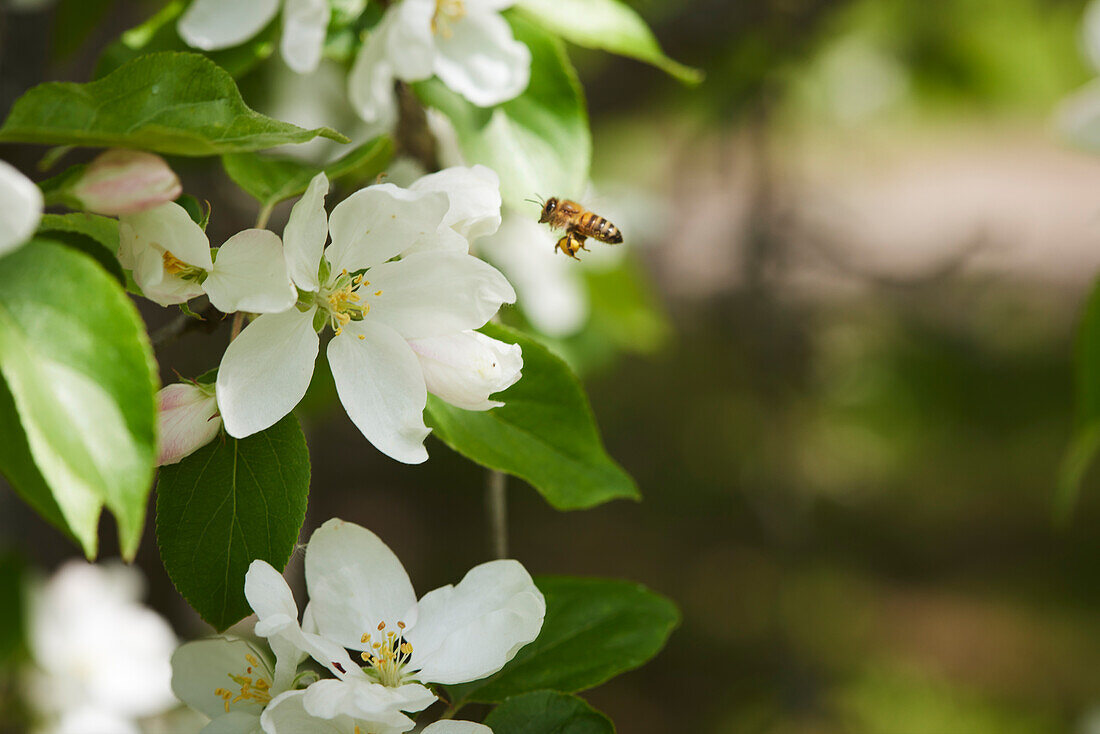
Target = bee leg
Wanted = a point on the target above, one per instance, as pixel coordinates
(566, 244)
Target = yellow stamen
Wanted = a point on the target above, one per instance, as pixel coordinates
(172, 264)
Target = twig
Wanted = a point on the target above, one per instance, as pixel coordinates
(496, 508)
(238, 324)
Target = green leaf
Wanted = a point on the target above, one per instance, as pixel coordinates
(159, 34)
(95, 236)
(544, 434)
(80, 371)
(177, 103)
(547, 712)
(271, 180)
(595, 629)
(226, 505)
(609, 25)
(539, 143)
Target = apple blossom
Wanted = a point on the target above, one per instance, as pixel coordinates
(20, 208)
(376, 306)
(361, 599)
(171, 260)
(125, 182)
(101, 657)
(466, 43)
(217, 24)
(187, 420)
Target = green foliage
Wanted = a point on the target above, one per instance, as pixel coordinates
(539, 142)
(271, 180)
(177, 103)
(609, 25)
(544, 434)
(595, 629)
(80, 374)
(159, 34)
(226, 505)
(546, 712)
(91, 234)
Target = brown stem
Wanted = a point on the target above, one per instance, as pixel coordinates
(238, 324)
(414, 137)
(496, 508)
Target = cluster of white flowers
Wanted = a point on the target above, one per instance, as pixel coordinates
(360, 599)
(465, 43)
(396, 285)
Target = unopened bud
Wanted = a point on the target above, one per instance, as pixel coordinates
(187, 420)
(125, 182)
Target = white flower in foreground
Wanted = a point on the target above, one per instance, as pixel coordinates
(125, 182)
(361, 599)
(466, 43)
(217, 24)
(171, 260)
(20, 208)
(101, 656)
(187, 420)
(384, 313)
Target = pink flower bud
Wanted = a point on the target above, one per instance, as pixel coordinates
(126, 182)
(187, 420)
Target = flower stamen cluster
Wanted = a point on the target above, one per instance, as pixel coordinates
(449, 11)
(388, 656)
(174, 266)
(255, 691)
(342, 303)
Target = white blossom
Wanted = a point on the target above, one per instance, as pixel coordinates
(101, 657)
(187, 420)
(466, 43)
(20, 208)
(376, 305)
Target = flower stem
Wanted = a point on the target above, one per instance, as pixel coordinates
(496, 507)
(238, 324)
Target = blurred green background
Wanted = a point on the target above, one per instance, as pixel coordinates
(848, 402)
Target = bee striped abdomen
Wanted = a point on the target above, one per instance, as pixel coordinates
(596, 227)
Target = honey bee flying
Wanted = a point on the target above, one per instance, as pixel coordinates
(579, 224)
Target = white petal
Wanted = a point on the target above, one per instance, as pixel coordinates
(355, 582)
(435, 293)
(214, 24)
(286, 714)
(20, 208)
(265, 371)
(379, 222)
(165, 228)
(250, 275)
(410, 46)
(200, 667)
(305, 23)
(381, 387)
(305, 234)
(235, 722)
(366, 700)
(466, 368)
(187, 420)
(370, 83)
(550, 289)
(481, 60)
(268, 593)
(447, 147)
(474, 195)
(471, 630)
(159, 286)
(450, 726)
(93, 720)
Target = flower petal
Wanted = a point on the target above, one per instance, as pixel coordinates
(450, 726)
(214, 24)
(472, 630)
(20, 208)
(305, 234)
(355, 582)
(187, 420)
(379, 222)
(165, 228)
(202, 666)
(410, 46)
(370, 83)
(474, 195)
(159, 286)
(466, 368)
(265, 371)
(305, 23)
(435, 293)
(121, 181)
(268, 594)
(235, 722)
(367, 700)
(379, 382)
(250, 275)
(286, 714)
(481, 59)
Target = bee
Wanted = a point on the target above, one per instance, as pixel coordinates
(579, 224)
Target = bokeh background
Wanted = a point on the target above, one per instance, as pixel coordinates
(846, 398)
